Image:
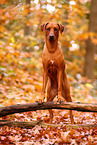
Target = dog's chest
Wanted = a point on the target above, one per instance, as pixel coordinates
(52, 67)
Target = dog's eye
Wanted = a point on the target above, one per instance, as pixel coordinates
(55, 29)
(48, 29)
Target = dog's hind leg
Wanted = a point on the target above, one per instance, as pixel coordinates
(51, 94)
(66, 94)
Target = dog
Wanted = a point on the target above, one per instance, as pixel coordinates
(54, 75)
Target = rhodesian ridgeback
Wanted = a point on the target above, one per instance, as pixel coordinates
(54, 75)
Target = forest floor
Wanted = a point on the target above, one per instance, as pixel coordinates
(21, 84)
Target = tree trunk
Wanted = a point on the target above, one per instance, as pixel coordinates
(27, 30)
(90, 46)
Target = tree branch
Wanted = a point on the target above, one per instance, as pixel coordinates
(18, 108)
(41, 123)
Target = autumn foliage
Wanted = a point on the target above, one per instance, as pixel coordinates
(21, 44)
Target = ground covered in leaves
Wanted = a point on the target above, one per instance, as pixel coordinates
(21, 84)
(49, 135)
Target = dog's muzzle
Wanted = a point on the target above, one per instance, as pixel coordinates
(51, 36)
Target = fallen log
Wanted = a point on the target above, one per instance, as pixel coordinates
(18, 108)
(41, 123)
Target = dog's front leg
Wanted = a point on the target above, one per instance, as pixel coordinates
(60, 77)
(45, 77)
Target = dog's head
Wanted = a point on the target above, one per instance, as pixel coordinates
(52, 30)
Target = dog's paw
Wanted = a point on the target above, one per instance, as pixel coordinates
(42, 99)
(60, 100)
(60, 97)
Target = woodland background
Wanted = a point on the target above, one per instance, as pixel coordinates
(21, 46)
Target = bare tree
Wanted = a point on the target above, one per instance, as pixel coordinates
(27, 28)
(90, 46)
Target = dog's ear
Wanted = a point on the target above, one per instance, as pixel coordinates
(43, 26)
(61, 28)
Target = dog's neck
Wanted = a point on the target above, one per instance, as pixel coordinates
(52, 45)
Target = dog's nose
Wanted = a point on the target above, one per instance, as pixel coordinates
(51, 36)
